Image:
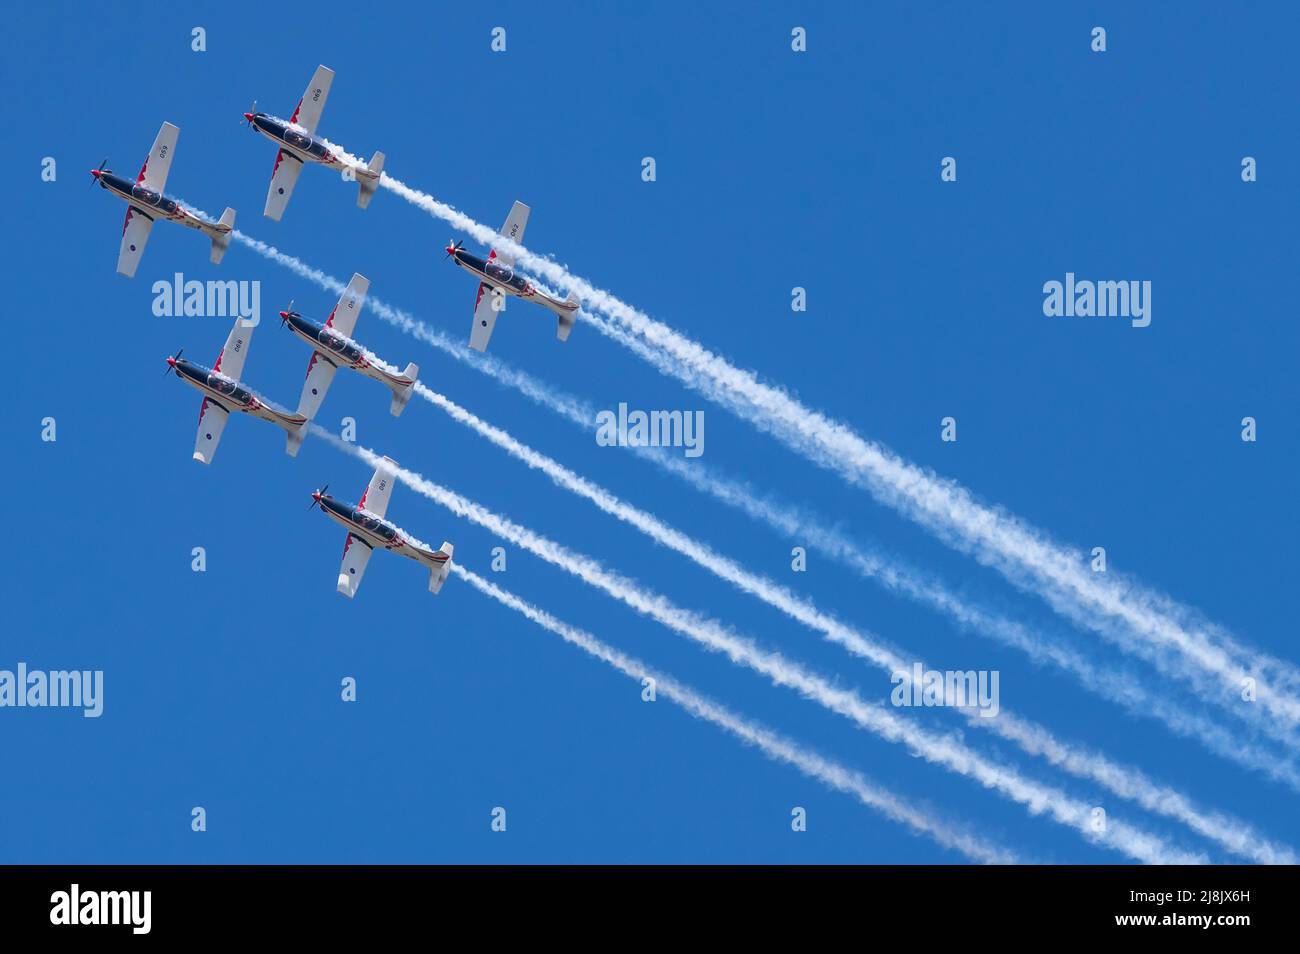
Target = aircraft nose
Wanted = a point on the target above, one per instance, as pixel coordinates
(284, 314)
(96, 173)
(171, 362)
(248, 116)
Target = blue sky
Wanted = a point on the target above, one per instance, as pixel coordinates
(774, 170)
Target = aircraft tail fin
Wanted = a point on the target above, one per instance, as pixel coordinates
(221, 237)
(368, 184)
(570, 308)
(438, 575)
(402, 392)
(296, 434)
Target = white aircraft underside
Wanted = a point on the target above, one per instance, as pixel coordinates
(333, 348)
(369, 531)
(147, 203)
(497, 279)
(223, 395)
(298, 144)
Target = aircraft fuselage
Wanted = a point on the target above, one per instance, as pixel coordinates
(500, 276)
(300, 145)
(339, 350)
(154, 205)
(377, 533)
(227, 392)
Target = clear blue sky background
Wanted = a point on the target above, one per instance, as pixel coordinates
(774, 170)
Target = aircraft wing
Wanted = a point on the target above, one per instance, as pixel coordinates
(356, 554)
(375, 499)
(135, 232)
(320, 373)
(344, 316)
(153, 174)
(513, 229)
(490, 303)
(212, 421)
(312, 104)
(283, 178)
(231, 360)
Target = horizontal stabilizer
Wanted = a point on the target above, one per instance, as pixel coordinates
(221, 237)
(368, 183)
(402, 392)
(438, 575)
(293, 441)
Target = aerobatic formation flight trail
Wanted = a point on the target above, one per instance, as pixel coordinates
(331, 342)
(499, 277)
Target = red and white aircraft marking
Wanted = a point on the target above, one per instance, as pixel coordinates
(368, 531)
(222, 394)
(497, 279)
(146, 204)
(299, 144)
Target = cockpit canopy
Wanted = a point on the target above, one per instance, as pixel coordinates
(151, 199)
(503, 275)
(228, 387)
(375, 525)
(344, 347)
(304, 143)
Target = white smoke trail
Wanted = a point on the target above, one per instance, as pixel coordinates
(1211, 661)
(947, 751)
(1025, 555)
(1233, 834)
(1124, 781)
(1116, 686)
(774, 746)
(521, 381)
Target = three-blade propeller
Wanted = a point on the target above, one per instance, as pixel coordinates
(315, 498)
(171, 362)
(453, 249)
(248, 116)
(94, 173)
(287, 313)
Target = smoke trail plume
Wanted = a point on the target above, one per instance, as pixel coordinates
(947, 751)
(827, 772)
(1116, 686)
(1124, 781)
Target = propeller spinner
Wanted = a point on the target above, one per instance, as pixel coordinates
(315, 497)
(171, 362)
